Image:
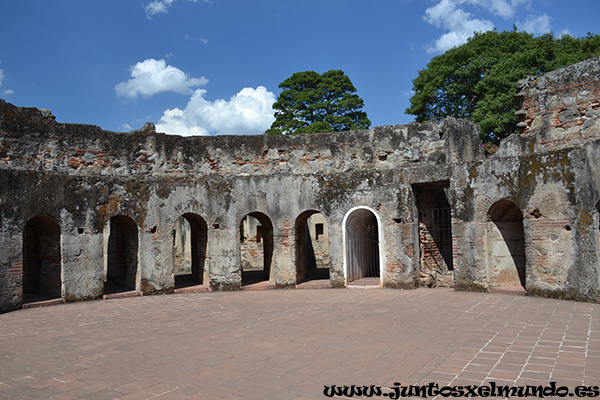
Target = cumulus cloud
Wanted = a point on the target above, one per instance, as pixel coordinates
(248, 112)
(536, 25)
(459, 22)
(152, 76)
(158, 7)
(451, 15)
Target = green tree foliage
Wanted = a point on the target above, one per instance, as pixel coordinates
(477, 80)
(311, 102)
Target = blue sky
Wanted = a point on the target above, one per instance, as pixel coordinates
(213, 67)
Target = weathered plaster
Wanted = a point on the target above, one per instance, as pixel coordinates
(82, 176)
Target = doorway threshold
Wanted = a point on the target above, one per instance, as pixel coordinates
(365, 283)
(43, 303)
(122, 295)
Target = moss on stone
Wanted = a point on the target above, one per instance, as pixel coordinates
(469, 286)
(149, 289)
(563, 294)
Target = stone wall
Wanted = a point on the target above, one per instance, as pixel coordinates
(551, 173)
(560, 106)
(82, 178)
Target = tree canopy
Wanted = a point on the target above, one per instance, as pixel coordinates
(477, 80)
(311, 103)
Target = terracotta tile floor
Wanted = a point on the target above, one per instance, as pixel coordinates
(288, 344)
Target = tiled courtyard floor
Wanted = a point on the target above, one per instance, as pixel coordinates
(288, 344)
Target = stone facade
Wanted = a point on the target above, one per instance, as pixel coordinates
(85, 211)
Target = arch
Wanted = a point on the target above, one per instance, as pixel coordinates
(506, 245)
(256, 248)
(41, 258)
(362, 243)
(190, 236)
(312, 246)
(122, 255)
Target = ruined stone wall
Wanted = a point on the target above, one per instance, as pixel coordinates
(561, 106)
(82, 178)
(551, 172)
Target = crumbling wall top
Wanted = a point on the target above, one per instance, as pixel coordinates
(31, 139)
(561, 106)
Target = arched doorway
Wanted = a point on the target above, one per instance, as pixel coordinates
(362, 263)
(189, 251)
(41, 259)
(122, 255)
(256, 248)
(506, 245)
(312, 247)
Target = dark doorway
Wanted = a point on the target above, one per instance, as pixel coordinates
(189, 251)
(256, 249)
(435, 234)
(506, 245)
(312, 247)
(362, 246)
(41, 259)
(121, 273)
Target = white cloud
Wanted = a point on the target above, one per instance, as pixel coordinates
(162, 7)
(536, 25)
(197, 39)
(152, 76)
(248, 112)
(158, 7)
(459, 22)
(125, 128)
(7, 91)
(501, 8)
(451, 15)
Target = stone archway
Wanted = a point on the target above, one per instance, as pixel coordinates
(312, 247)
(122, 255)
(256, 249)
(362, 258)
(190, 234)
(506, 245)
(41, 259)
